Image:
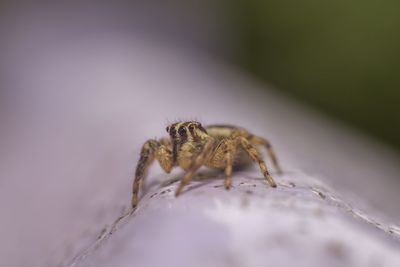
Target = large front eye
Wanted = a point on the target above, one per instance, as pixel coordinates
(167, 129)
(182, 131)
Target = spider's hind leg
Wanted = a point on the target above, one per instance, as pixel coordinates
(257, 140)
(253, 153)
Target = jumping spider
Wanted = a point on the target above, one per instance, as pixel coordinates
(191, 146)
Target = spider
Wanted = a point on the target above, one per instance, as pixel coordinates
(191, 146)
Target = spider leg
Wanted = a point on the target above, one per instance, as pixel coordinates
(253, 153)
(264, 142)
(164, 155)
(228, 168)
(151, 149)
(222, 157)
(197, 163)
(227, 149)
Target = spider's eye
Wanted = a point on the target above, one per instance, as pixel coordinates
(182, 131)
(173, 132)
(167, 129)
(191, 128)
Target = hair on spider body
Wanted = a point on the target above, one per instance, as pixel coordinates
(191, 146)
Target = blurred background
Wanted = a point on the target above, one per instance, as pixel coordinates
(338, 57)
(84, 83)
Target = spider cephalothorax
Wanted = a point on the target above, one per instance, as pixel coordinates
(186, 135)
(191, 146)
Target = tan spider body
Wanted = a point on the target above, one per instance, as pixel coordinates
(191, 146)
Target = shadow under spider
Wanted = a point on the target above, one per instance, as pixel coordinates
(200, 176)
(203, 175)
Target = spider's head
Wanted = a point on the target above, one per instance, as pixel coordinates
(187, 131)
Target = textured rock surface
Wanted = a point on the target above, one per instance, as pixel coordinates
(301, 223)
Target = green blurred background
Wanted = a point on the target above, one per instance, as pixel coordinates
(339, 56)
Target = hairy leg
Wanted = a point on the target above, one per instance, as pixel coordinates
(264, 142)
(164, 155)
(223, 157)
(253, 153)
(151, 149)
(197, 163)
(228, 168)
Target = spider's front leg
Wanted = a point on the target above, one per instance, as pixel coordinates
(253, 153)
(196, 164)
(151, 149)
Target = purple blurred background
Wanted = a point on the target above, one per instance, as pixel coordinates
(84, 84)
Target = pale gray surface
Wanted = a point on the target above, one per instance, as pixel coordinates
(300, 223)
(76, 110)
